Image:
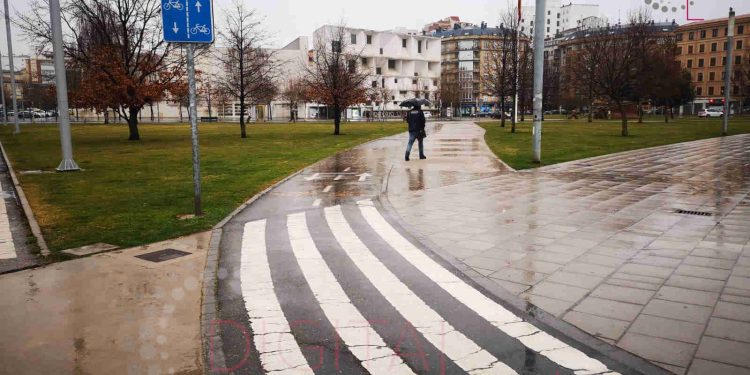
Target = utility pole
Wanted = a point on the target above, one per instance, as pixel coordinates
(2, 91)
(67, 164)
(12, 70)
(539, 23)
(727, 73)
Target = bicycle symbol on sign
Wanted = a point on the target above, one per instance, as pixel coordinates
(173, 4)
(200, 29)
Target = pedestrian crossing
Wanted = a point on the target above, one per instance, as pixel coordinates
(366, 260)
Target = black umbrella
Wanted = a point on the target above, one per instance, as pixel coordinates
(415, 103)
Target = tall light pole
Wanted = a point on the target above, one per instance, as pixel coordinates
(727, 73)
(2, 91)
(12, 70)
(67, 164)
(539, 23)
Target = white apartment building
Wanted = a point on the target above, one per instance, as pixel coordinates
(403, 64)
(559, 17)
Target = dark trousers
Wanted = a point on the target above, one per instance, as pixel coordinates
(413, 136)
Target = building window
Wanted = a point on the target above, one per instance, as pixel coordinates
(702, 48)
(419, 46)
(723, 75)
(710, 90)
(374, 84)
(679, 37)
(738, 60)
(679, 50)
(690, 50)
(381, 51)
(352, 66)
(378, 71)
(690, 63)
(739, 44)
(558, 23)
(364, 61)
(700, 63)
(369, 39)
(395, 80)
(354, 38)
(724, 61)
(403, 43)
(548, 29)
(726, 31)
(700, 77)
(434, 82)
(715, 33)
(549, 13)
(713, 61)
(725, 46)
(336, 46)
(714, 47)
(413, 81)
(392, 64)
(691, 35)
(712, 76)
(699, 91)
(558, 15)
(548, 21)
(740, 29)
(722, 90)
(703, 34)
(735, 90)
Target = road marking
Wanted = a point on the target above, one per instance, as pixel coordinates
(328, 188)
(357, 333)
(272, 335)
(339, 177)
(363, 176)
(348, 169)
(506, 321)
(313, 177)
(7, 247)
(459, 348)
(317, 202)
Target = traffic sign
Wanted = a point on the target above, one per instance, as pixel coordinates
(187, 21)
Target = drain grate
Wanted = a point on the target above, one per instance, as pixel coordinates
(162, 255)
(694, 213)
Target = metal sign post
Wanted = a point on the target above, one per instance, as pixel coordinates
(61, 85)
(728, 74)
(190, 22)
(541, 12)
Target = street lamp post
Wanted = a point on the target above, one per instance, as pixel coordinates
(13, 88)
(727, 73)
(61, 82)
(2, 91)
(538, 77)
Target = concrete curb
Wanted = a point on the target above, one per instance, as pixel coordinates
(33, 224)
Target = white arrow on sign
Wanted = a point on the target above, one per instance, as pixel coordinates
(363, 176)
(175, 28)
(313, 177)
(198, 5)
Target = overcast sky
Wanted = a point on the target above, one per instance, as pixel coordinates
(288, 19)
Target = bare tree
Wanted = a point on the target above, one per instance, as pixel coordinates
(449, 92)
(293, 93)
(383, 95)
(584, 67)
(248, 65)
(497, 78)
(118, 45)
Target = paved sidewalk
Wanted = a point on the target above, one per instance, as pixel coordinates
(16, 249)
(601, 244)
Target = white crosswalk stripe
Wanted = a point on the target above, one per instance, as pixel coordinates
(355, 331)
(279, 351)
(460, 349)
(532, 337)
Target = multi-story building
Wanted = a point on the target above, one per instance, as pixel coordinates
(464, 59)
(702, 49)
(403, 64)
(40, 70)
(559, 17)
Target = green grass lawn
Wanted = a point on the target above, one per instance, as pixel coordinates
(577, 139)
(130, 193)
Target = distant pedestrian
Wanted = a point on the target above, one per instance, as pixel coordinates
(416, 121)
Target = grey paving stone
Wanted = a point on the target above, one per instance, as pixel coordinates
(713, 253)
(719, 350)
(734, 311)
(486, 263)
(677, 370)
(709, 262)
(741, 271)
(597, 325)
(697, 283)
(658, 349)
(632, 284)
(639, 278)
(589, 269)
(559, 291)
(678, 310)
(534, 265)
(575, 279)
(735, 299)
(645, 270)
(694, 297)
(704, 272)
(609, 309)
(666, 328)
(476, 245)
(737, 282)
(614, 252)
(518, 276)
(729, 329)
(601, 260)
(623, 294)
(553, 306)
(656, 261)
(512, 287)
(677, 245)
(704, 367)
(666, 253)
(552, 257)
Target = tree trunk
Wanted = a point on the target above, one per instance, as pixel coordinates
(133, 124)
(180, 106)
(106, 116)
(336, 120)
(666, 115)
(151, 106)
(591, 111)
(640, 112)
(624, 117)
(502, 113)
(243, 126)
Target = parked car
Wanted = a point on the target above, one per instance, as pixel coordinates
(427, 114)
(496, 115)
(710, 112)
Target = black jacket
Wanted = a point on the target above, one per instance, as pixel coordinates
(416, 120)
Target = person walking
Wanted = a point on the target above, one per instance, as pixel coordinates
(416, 121)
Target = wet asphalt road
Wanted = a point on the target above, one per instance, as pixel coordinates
(317, 277)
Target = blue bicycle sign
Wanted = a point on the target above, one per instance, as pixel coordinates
(187, 21)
